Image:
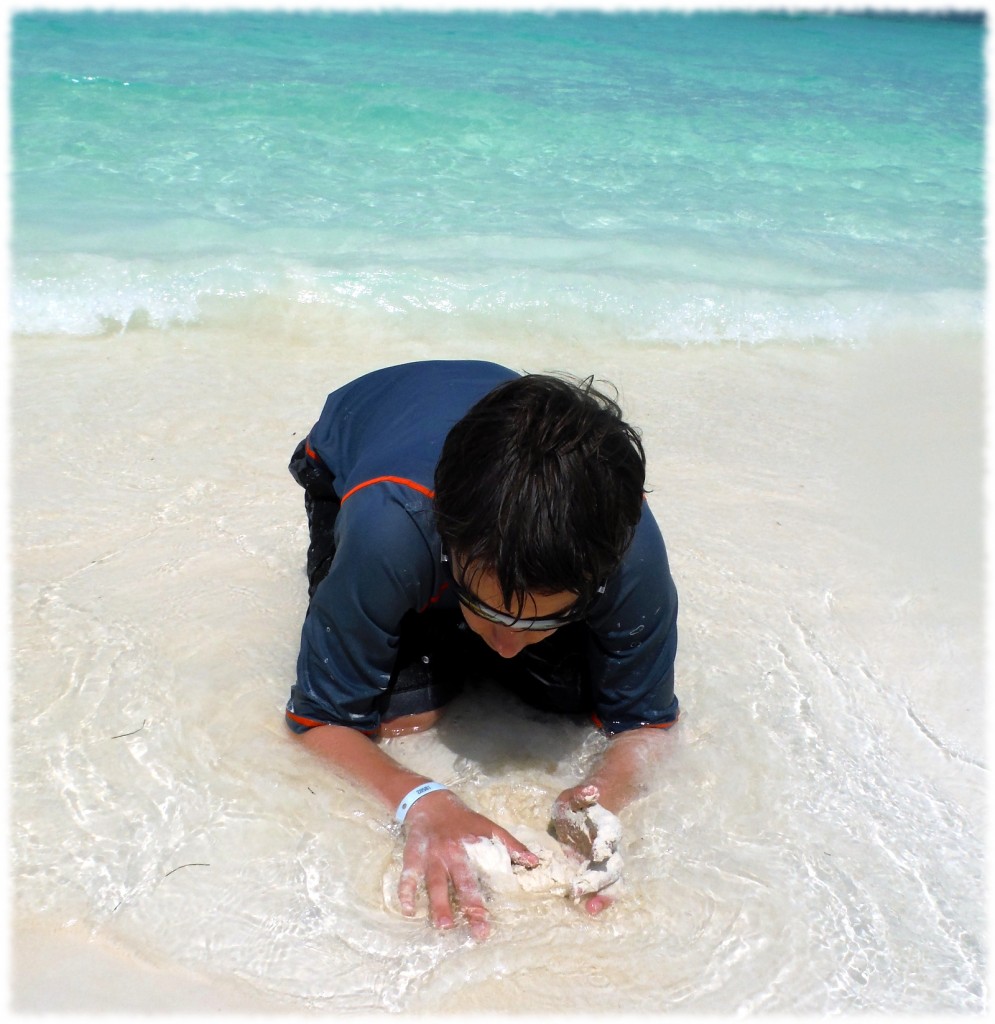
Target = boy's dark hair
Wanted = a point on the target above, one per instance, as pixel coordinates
(541, 483)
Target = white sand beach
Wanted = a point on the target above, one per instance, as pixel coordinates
(814, 842)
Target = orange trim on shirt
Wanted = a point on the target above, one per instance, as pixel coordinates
(301, 720)
(435, 599)
(312, 723)
(309, 451)
(421, 488)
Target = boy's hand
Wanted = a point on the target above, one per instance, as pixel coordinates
(579, 821)
(438, 825)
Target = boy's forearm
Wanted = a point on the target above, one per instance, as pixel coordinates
(623, 772)
(356, 756)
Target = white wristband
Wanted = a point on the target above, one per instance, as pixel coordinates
(414, 796)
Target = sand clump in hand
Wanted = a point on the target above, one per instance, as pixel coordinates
(589, 864)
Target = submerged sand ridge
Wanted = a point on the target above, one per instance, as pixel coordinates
(813, 844)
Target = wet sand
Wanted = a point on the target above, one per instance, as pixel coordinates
(65, 971)
(822, 509)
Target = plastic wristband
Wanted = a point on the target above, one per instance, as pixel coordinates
(414, 796)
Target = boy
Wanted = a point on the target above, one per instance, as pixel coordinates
(463, 516)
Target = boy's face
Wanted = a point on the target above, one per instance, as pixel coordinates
(485, 599)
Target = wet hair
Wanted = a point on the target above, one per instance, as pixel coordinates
(541, 484)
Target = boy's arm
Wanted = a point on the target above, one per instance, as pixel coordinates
(622, 774)
(436, 825)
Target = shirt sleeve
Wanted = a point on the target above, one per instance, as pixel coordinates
(634, 638)
(382, 568)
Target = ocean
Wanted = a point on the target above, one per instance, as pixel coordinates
(766, 230)
(605, 170)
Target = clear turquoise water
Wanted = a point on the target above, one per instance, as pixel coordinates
(664, 177)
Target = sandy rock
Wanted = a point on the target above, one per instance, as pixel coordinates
(562, 870)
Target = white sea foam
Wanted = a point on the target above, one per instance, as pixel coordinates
(101, 295)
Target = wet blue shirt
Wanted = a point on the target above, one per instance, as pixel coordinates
(380, 437)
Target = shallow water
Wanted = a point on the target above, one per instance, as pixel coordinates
(814, 842)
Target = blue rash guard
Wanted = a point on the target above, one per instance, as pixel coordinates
(380, 437)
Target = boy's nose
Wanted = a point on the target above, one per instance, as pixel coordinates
(508, 642)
